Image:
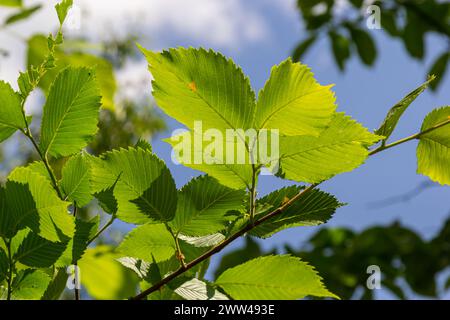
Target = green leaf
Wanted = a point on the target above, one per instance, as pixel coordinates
(165, 293)
(314, 208)
(102, 184)
(57, 285)
(6, 132)
(38, 50)
(357, 3)
(104, 277)
(364, 45)
(11, 117)
(301, 49)
(40, 168)
(17, 240)
(38, 252)
(292, 96)
(273, 277)
(203, 205)
(155, 273)
(413, 35)
(4, 265)
(76, 247)
(195, 289)
(106, 199)
(27, 81)
(22, 14)
(71, 112)
(340, 148)
(11, 3)
(394, 114)
(229, 173)
(148, 242)
(9, 219)
(62, 9)
(29, 284)
(137, 265)
(198, 85)
(144, 188)
(75, 182)
(248, 251)
(341, 48)
(203, 241)
(439, 69)
(32, 198)
(143, 144)
(433, 151)
(389, 22)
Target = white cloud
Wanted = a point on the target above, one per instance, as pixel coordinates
(134, 80)
(223, 23)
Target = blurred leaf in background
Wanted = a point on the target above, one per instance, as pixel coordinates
(344, 23)
(342, 257)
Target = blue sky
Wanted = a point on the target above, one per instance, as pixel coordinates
(365, 94)
(258, 34)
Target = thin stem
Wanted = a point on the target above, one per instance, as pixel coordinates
(261, 220)
(223, 244)
(180, 254)
(412, 137)
(109, 223)
(44, 159)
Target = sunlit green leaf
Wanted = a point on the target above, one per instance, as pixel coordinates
(32, 198)
(38, 252)
(29, 285)
(340, 148)
(144, 188)
(24, 13)
(291, 97)
(199, 85)
(314, 208)
(148, 242)
(71, 112)
(393, 116)
(203, 205)
(273, 277)
(104, 277)
(11, 117)
(433, 152)
(195, 289)
(62, 9)
(75, 182)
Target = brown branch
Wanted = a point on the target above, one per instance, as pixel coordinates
(251, 225)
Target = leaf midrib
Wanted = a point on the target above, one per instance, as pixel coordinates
(199, 212)
(210, 106)
(65, 115)
(322, 146)
(140, 196)
(77, 185)
(288, 103)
